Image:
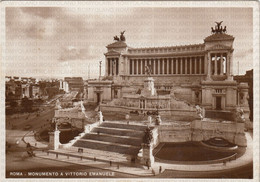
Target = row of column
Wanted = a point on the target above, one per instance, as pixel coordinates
(164, 66)
(112, 66)
(219, 64)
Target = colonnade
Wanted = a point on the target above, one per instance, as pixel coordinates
(219, 64)
(112, 66)
(168, 66)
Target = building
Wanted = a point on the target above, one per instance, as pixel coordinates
(75, 83)
(64, 86)
(199, 74)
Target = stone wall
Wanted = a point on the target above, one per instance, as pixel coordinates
(175, 132)
(203, 130)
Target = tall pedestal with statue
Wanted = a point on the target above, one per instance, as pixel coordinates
(54, 139)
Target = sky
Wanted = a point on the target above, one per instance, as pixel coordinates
(59, 41)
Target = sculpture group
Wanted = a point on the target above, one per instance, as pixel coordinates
(122, 37)
(218, 28)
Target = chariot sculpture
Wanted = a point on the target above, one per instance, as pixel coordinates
(121, 38)
(218, 28)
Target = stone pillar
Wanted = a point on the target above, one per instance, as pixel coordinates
(145, 64)
(231, 65)
(176, 64)
(163, 67)
(215, 64)
(153, 66)
(106, 67)
(110, 64)
(200, 66)
(54, 139)
(138, 66)
(158, 66)
(209, 66)
(228, 67)
(167, 67)
(221, 64)
(172, 65)
(141, 60)
(147, 157)
(186, 67)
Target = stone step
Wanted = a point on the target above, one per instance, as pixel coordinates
(119, 132)
(114, 139)
(107, 146)
(124, 126)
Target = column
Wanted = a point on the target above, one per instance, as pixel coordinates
(228, 66)
(195, 69)
(106, 73)
(215, 62)
(158, 66)
(231, 64)
(134, 63)
(200, 66)
(186, 63)
(163, 66)
(154, 66)
(137, 66)
(167, 61)
(221, 64)
(176, 64)
(141, 66)
(172, 65)
(209, 65)
(111, 66)
(145, 64)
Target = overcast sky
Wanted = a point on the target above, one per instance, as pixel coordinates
(58, 42)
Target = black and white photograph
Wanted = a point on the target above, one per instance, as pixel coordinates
(130, 90)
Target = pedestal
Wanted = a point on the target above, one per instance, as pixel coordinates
(149, 89)
(54, 139)
(147, 157)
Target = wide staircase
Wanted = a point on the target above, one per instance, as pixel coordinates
(115, 137)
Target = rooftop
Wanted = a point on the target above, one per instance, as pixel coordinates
(219, 36)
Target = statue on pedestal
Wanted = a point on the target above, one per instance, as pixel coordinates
(100, 116)
(148, 136)
(200, 111)
(239, 115)
(158, 120)
(58, 105)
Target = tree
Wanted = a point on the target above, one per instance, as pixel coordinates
(27, 104)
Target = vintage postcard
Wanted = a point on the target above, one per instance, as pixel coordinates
(137, 90)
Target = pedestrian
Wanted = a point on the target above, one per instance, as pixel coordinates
(147, 165)
(110, 163)
(160, 169)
